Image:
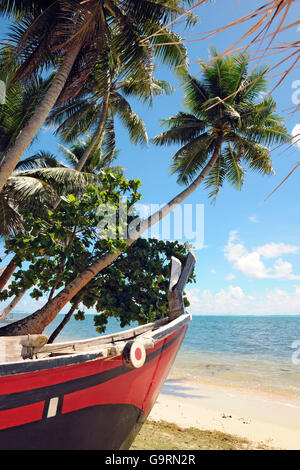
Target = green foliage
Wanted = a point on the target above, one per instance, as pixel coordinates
(135, 286)
(52, 250)
(21, 100)
(44, 31)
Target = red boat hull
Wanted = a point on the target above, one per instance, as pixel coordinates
(82, 401)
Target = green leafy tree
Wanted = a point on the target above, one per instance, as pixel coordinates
(67, 240)
(133, 289)
(245, 123)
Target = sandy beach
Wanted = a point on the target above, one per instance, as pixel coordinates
(260, 417)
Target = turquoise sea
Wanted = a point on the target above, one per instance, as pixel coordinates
(248, 351)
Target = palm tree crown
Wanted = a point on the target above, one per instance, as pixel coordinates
(103, 97)
(70, 36)
(230, 125)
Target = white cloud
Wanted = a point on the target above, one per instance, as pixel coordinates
(229, 277)
(226, 301)
(251, 264)
(234, 301)
(279, 302)
(273, 250)
(253, 218)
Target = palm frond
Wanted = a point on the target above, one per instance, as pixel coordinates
(10, 219)
(70, 156)
(64, 180)
(215, 178)
(256, 155)
(169, 49)
(182, 128)
(190, 159)
(22, 7)
(108, 146)
(42, 159)
(133, 123)
(24, 187)
(235, 173)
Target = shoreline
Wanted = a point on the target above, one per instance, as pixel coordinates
(246, 385)
(263, 418)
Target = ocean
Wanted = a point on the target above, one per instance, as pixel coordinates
(253, 352)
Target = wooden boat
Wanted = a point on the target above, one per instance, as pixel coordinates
(88, 394)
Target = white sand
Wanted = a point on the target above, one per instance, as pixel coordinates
(260, 417)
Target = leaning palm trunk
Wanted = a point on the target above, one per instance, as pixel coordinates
(98, 135)
(12, 304)
(8, 271)
(65, 320)
(96, 139)
(36, 121)
(37, 322)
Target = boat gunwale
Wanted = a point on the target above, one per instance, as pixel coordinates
(63, 359)
(114, 337)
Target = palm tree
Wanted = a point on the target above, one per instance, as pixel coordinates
(223, 134)
(86, 111)
(102, 98)
(82, 113)
(43, 177)
(215, 138)
(37, 38)
(71, 35)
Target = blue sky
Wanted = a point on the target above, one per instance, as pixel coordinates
(250, 262)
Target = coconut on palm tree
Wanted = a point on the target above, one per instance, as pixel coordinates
(227, 124)
(70, 35)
